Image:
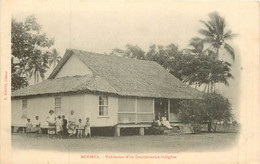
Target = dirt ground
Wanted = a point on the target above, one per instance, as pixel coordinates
(138, 144)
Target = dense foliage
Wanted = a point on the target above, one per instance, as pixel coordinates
(196, 66)
(191, 68)
(30, 51)
(213, 108)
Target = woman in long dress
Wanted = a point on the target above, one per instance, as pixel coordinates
(166, 123)
(72, 124)
(59, 126)
(51, 120)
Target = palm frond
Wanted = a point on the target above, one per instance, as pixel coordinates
(206, 33)
(209, 40)
(198, 44)
(229, 35)
(210, 28)
(215, 21)
(214, 26)
(230, 50)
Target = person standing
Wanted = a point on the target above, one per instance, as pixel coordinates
(59, 129)
(64, 125)
(51, 120)
(80, 128)
(37, 125)
(29, 127)
(87, 128)
(72, 124)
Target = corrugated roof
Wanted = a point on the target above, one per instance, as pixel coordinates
(117, 75)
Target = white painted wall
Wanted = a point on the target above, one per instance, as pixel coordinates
(74, 66)
(109, 120)
(83, 105)
(35, 107)
(16, 113)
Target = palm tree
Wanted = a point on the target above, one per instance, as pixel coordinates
(54, 58)
(197, 44)
(216, 35)
(36, 69)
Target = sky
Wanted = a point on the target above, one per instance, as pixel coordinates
(104, 27)
(101, 27)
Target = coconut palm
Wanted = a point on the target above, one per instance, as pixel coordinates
(36, 69)
(197, 44)
(54, 58)
(216, 35)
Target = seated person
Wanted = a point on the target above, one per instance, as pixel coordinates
(159, 119)
(156, 129)
(154, 124)
(166, 123)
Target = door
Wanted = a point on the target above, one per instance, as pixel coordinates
(160, 108)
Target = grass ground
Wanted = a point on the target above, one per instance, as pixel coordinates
(138, 144)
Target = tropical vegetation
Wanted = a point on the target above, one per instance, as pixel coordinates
(30, 49)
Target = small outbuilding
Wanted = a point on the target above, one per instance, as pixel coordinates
(112, 91)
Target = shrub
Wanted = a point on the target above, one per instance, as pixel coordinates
(192, 112)
(213, 109)
(218, 109)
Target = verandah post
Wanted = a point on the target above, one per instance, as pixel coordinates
(141, 131)
(117, 131)
(169, 108)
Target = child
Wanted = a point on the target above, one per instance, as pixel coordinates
(59, 126)
(64, 125)
(37, 125)
(87, 128)
(29, 127)
(80, 129)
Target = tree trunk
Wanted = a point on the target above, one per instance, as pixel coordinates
(35, 77)
(205, 88)
(209, 126)
(54, 64)
(217, 54)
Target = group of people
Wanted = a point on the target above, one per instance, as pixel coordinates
(33, 127)
(60, 126)
(160, 124)
(162, 121)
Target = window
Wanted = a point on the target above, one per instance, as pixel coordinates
(24, 109)
(24, 104)
(103, 105)
(57, 105)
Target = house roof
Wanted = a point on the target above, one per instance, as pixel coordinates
(117, 75)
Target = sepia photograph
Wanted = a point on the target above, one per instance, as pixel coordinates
(129, 80)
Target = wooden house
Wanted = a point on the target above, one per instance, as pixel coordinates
(113, 91)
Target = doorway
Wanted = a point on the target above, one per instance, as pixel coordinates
(161, 108)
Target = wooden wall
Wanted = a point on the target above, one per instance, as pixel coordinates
(135, 110)
(74, 66)
(84, 105)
